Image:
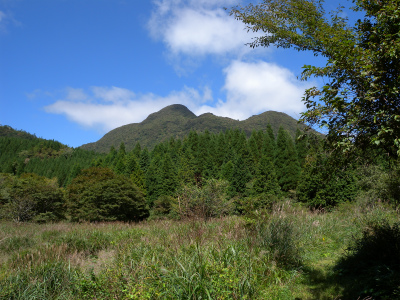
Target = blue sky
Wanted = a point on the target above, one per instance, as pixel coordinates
(72, 70)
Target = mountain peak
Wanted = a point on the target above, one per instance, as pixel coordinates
(171, 113)
(177, 121)
(180, 108)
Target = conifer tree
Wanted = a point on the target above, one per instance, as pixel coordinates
(227, 171)
(122, 149)
(269, 146)
(131, 164)
(186, 170)
(270, 132)
(301, 142)
(194, 150)
(212, 167)
(254, 148)
(144, 161)
(111, 156)
(265, 181)
(137, 150)
(240, 177)
(220, 150)
(172, 144)
(154, 180)
(133, 170)
(120, 165)
(204, 163)
(76, 169)
(286, 161)
(168, 177)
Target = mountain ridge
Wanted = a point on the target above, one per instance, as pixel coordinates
(8, 131)
(177, 121)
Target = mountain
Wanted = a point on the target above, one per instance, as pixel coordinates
(7, 131)
(177, 121)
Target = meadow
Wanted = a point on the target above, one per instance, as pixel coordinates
(288, 252)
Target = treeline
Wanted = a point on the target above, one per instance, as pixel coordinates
(47, 158)
(203, 174)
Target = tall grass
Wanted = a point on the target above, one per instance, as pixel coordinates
(285, 254)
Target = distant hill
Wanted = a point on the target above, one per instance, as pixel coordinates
(7, 131)
(177, 121)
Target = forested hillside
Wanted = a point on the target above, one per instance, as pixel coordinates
(11, 132)
(242, 173)
(48, 158)
(177, 121)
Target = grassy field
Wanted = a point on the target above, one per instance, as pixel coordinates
(289, 253)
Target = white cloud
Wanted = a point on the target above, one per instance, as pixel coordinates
(104, 108)
(197, 28)
(251, 88)
(115, 94)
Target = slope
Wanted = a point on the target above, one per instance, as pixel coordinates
(177, 121)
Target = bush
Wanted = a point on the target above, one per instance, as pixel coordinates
(30, 197)
(323, 185)
(279, 238)
(98, 194)
(371, 266)
(162, 207)
(206, 202)
(253, 205)
(377, 184)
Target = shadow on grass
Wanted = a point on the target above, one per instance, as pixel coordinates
(369, 270)
(320, 284)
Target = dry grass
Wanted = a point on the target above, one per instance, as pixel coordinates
(224, 257)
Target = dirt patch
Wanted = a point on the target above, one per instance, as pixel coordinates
(93, 263)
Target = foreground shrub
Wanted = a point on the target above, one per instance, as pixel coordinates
(30, 197)
(98, 194)
(205, 202)
(324, 185)
(378, 184)
(278, 236)
(371, 266)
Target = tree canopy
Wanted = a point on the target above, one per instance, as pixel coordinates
(98, 194)
(360, 101)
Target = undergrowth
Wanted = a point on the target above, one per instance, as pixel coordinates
(286, 253)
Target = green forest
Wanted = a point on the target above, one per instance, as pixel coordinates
(243, 174)
(227, 215)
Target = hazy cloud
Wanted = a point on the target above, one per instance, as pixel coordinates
(4, 20)
(113, 94)
(33, 94)
(75, 94)
(7, 19)
(2, 16)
